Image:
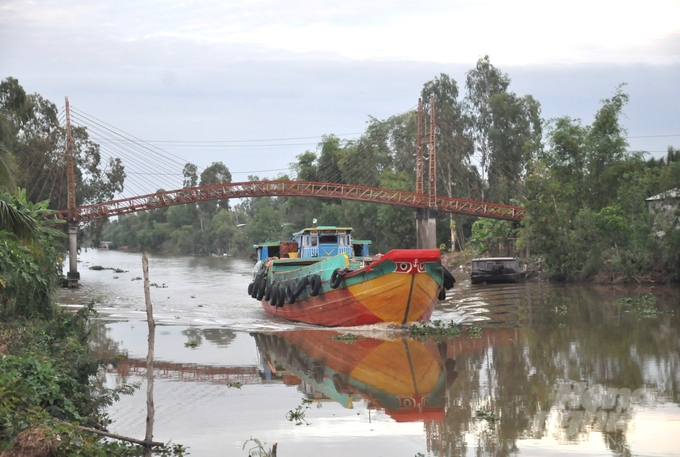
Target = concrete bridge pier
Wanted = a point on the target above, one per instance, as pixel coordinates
(73, 276)
(426, 228)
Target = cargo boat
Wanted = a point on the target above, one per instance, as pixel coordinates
(322, 276)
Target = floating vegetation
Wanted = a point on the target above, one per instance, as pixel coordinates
(485, 415)
(136, 278)
(235, 385)
(475, 332)
(561, 309)
(162, 286)
(347, 338)
(644, 305)
(190, 344)
(297, 415)
(258, 450)
(435, 328)
(193, 296)
(643, 299)
(199, 306)
(100, 268)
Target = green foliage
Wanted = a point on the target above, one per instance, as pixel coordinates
(33, 134)
(435, 328)
(586, 206)
(492, 237)
(46, 389)
(28, 263)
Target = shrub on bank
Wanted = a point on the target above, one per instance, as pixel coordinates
(48, 388)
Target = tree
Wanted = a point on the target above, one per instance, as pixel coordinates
(216, 173)
(482, 83)
(37, 140)
(190, 172)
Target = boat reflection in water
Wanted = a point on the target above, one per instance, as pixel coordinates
(405, 377)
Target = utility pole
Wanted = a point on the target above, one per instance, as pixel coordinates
(72, 276)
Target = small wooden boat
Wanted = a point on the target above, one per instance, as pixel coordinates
(324, 277)
(407, 378)
(496, 270)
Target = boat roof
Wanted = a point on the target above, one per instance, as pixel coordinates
(362, 242)
(267, 243)
(323, 228)
(672, 193)
(494, 258)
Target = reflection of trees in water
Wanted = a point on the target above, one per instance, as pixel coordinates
(221, 337)
(101, 346)
(521, 379)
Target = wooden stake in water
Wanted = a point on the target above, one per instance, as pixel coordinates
(150, 411)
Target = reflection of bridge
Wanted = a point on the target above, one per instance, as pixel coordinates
(191, 372)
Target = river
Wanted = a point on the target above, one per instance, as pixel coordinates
(555, 369)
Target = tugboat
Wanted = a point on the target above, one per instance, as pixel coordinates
(322, 276)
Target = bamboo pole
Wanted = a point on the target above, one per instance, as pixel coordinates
(150, 410)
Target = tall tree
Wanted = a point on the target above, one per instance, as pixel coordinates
(483, 82)
(190, 173)
(216, 173)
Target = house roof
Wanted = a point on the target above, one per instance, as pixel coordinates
(671, 193)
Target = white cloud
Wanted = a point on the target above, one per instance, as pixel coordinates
(517, 32)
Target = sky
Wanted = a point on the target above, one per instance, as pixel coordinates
(255, 83)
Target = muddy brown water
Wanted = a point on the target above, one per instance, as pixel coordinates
(555, 370)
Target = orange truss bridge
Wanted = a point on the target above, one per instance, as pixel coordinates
(292, 189)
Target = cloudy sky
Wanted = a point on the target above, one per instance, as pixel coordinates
(254, 83)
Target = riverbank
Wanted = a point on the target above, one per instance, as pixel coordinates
(52, 400)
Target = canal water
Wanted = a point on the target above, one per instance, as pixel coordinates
(554, 370)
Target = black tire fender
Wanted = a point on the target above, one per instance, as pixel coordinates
(314, 285)
(290, 292)
(261, 290)
(268, 292)
(281, 297)
(449, 280)
(301, 286)
(250, 288)
(336, 278)
(273, 294)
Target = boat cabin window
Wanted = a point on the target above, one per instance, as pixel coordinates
(328, 239)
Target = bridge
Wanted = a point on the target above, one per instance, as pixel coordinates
(251, 189)
(425, 205)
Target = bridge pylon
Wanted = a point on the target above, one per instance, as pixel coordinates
(426, 218)
(72, 276)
